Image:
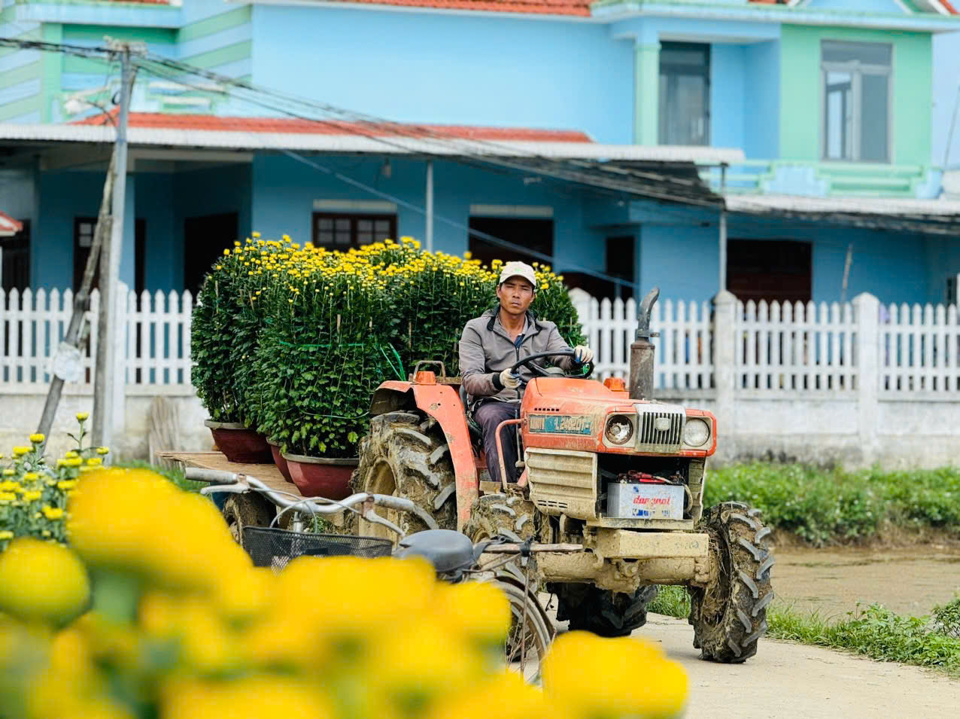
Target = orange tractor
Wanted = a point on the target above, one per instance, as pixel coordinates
(610, 491)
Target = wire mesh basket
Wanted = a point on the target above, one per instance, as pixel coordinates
(275, 548)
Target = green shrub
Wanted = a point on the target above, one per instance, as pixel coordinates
(324, 350)
(824, 507)
(212, 335)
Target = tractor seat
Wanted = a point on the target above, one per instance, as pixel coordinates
(476, 434)
(448, 551)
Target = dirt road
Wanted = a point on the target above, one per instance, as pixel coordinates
(792, 681)
(831, 581)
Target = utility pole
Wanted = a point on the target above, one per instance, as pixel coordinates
(428, 209)
(105, 383)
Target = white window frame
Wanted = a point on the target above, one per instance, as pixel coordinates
(856, 69)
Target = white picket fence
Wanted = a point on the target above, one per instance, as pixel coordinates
(786, 348)
(154, 329)
(775, 349)
(684, 347)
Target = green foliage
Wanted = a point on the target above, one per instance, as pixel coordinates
(671, 602)
(211, 346)
(826, 507)
(875, 632)
(946, 618)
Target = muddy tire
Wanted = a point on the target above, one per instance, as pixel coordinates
(406, 455)
(504, 515)
(247, 510)
(605, 613)
(729, 615)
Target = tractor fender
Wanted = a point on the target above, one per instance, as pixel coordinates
(441, 402)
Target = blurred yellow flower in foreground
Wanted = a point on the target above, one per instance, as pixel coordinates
(621, 677)
(252, 697)
(42, 581)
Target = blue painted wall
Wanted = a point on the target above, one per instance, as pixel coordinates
(894, 267)
(946, 94)
(450, 69)
(727, 95)
(762, 100)
(64, 196)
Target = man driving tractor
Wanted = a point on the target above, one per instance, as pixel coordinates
(489, 348)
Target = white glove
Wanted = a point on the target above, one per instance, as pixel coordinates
(582, 354)
(509, 380)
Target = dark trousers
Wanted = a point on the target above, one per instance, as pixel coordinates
(489, 415)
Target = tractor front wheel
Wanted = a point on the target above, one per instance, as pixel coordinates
(406, 455)
(729, 615)
(605, 613)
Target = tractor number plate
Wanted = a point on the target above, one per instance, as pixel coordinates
(560, 424)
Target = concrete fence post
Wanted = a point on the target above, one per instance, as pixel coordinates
(120, 360)
(725, 370)
(867, 308)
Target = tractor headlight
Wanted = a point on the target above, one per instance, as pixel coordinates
(696, 432)
(619, 429)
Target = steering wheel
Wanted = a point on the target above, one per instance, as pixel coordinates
(585, 370)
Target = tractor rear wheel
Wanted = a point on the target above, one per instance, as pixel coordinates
(406, 455)
(605, 613)
(729, 615)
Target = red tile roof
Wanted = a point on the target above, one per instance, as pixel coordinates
(530, 7)
(8, 225)
(212, 123)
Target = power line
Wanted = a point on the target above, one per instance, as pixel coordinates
(606, 176)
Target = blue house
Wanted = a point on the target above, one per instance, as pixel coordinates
(789, 151)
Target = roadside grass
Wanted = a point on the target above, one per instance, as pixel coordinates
(824, 507)
(873, 631)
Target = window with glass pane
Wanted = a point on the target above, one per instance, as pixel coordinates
(856, 104)
(342, 231)
(684, 94)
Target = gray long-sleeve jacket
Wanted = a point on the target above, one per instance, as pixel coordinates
(486, 350)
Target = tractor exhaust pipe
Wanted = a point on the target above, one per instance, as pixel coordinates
(642, 350)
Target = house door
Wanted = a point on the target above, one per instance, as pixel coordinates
(16, 259)
(533, 234)
(204, 239)
(770, 270)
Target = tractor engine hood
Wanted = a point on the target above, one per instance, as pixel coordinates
(586, 416)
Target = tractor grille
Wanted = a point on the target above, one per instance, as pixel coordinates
(661, 429)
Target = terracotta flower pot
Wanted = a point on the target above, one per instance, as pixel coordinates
(318, 477)
(239, 444)
(279, 460)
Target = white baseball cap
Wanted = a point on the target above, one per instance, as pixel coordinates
(518, 269)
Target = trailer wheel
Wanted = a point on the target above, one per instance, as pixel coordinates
(729, 615)
(605, 613)
(247, 510)
(405, 455)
